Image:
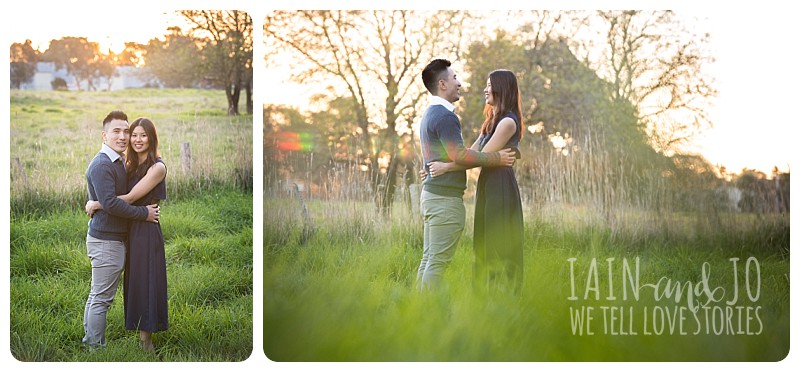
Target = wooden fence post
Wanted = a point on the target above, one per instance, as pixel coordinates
(308, 225)
(186, 157)
(414, 191)
(21, 171)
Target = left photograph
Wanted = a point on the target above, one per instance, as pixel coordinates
(131, 188)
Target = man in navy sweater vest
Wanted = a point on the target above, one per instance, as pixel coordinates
(108, 228)
(442, 201)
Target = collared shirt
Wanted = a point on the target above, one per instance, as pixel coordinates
(113, 155)
(436, 100)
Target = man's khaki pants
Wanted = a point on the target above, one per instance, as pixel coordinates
(443, 218)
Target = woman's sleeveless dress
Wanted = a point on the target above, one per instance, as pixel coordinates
(499, 231)
(145, 280)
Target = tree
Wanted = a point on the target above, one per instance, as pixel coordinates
(104, 67)
(695, 184)
(782, 189)
(228, 51)
(337, 123)
(372, 59)
(23, 63)
(656, 63)
(754, 186)
(132, 55)
(560, 94)
(174, 60)
(81, 58)
(760, 194)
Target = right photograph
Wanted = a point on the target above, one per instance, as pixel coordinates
(520, 186)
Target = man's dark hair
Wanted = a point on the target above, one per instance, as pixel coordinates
(433, 73)
(114, 115)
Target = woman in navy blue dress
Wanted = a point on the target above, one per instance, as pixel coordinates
(145, 278)
(498, 237)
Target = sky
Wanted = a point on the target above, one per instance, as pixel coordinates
(140, 24)
(756, 73)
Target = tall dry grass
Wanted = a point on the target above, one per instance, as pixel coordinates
(591, 188)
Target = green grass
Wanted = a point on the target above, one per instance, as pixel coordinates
(209, 271)
(206, 220)
(346, 293)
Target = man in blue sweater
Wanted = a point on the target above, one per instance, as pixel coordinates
(441, 200)
(108, 228)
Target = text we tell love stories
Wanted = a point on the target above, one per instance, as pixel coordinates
(678, 307)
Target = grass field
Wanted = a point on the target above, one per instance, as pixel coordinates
(345, 292)
(206, 220)
(54, 135)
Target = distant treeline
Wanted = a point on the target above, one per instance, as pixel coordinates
(217, 53)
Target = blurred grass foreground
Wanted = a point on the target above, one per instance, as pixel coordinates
(629, 270)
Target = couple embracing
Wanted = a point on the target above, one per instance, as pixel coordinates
(126, 182)
(498, 233)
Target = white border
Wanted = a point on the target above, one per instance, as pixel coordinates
(777, 19)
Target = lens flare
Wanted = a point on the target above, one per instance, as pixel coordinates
(293, 141)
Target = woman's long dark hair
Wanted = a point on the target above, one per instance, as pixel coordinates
(132, 158)
(506, 97)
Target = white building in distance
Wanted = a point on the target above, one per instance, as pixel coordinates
(125, 77)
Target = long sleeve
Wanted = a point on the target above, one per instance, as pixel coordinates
(453, 143)
(102, 177)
